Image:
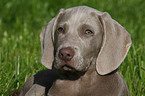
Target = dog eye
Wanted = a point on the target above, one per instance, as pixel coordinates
(88, 32)
(60, 30)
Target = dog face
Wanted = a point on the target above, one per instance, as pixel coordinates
(77, 40)
(80, 35)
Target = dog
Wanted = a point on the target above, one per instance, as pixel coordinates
(83, 47)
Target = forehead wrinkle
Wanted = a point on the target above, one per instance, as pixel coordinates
(77, 20)
(76, 16)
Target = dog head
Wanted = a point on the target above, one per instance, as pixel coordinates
(79, 35)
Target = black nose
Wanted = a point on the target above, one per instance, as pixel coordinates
(66, 54)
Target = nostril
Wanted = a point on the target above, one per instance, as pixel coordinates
(68, 55)
(61, 54)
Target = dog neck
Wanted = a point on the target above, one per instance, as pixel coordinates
(81, 85)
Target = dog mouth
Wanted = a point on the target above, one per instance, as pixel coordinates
(65, 65)
(68, 72)
(67, 68)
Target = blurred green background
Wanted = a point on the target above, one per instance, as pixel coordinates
(21, 22)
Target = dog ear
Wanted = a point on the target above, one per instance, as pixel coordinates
(115, 45)
(46, 38)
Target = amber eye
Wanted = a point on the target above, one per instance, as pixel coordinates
(88, 32)
(60, 30)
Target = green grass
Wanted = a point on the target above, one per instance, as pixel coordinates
(21, 22)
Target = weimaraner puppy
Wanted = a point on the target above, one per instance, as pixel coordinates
(84, 48)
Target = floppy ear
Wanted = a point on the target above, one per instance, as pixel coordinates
(46, 38)
(115, 45)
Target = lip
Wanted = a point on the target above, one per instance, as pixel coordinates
(65, 65)
(67, 68)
